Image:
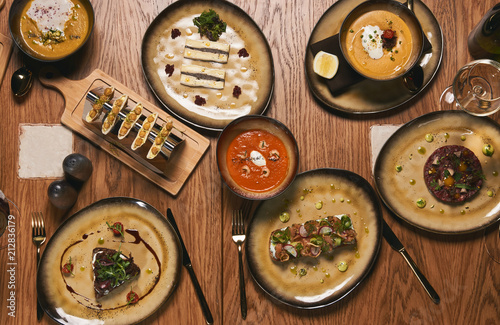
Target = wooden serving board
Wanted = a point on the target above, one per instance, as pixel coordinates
(174, 170)
(5, 52)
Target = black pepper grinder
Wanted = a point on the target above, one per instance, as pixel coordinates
(484, 40)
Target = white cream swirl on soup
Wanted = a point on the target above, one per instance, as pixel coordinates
(50, 14)
(372, 41)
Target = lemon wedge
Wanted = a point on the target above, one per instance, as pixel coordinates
(326, 64)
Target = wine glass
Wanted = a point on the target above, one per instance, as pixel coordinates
(475, 89)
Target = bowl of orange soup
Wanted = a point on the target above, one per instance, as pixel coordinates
(381, 39)
(257, 156)
(51, 30)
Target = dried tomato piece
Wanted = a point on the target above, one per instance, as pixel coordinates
(132, 297)
(199, 100)
(389, 39)
(175, 33)
(236, 91)
(169, 69)
(388, 33)
(67, 269)
(117, 228)
(243, 53)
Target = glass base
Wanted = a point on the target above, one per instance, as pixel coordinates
(447, 100)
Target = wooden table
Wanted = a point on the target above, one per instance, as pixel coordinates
(458, 267)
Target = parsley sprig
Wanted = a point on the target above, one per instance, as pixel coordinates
(210, 25)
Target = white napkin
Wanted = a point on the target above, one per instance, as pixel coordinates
(379, 134)
(42, 149)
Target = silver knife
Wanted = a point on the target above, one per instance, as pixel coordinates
(391, 238)
(186, 261)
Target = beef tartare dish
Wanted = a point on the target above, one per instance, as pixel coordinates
(453, 174)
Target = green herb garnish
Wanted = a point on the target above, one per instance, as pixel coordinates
(210, 25)
(346, 221)
(116, 227)
(317, 240)
(113, 269)
(299, 247)
(435, 185)
(465, 186)
(281, 236)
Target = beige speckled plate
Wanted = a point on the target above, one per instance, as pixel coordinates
(341, 192)
(447, 127)
(370, 96)
(253, 74)
(71, 299)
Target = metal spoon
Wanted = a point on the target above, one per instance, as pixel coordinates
(21, 81)
(414, 79)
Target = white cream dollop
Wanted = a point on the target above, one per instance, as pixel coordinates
(372, 41)
(257, 158)
(50, 14)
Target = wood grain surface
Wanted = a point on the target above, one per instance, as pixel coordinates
(458, 267)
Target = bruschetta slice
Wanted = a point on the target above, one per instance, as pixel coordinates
(311, 238)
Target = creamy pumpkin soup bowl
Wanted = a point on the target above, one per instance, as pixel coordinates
(381, 39)
(51, 30)
(257, 157)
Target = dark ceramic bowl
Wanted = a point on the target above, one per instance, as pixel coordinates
(14, 25)
(257, 122)
(400, 10)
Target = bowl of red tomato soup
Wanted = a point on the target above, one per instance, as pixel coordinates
(257, 156)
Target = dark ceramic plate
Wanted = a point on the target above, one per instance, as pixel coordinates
(401, 190)
(369, 96)
(340, 192)
(155, 249)
(253, 74)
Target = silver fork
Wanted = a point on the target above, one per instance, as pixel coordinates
(238, 234)
(38, 236)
